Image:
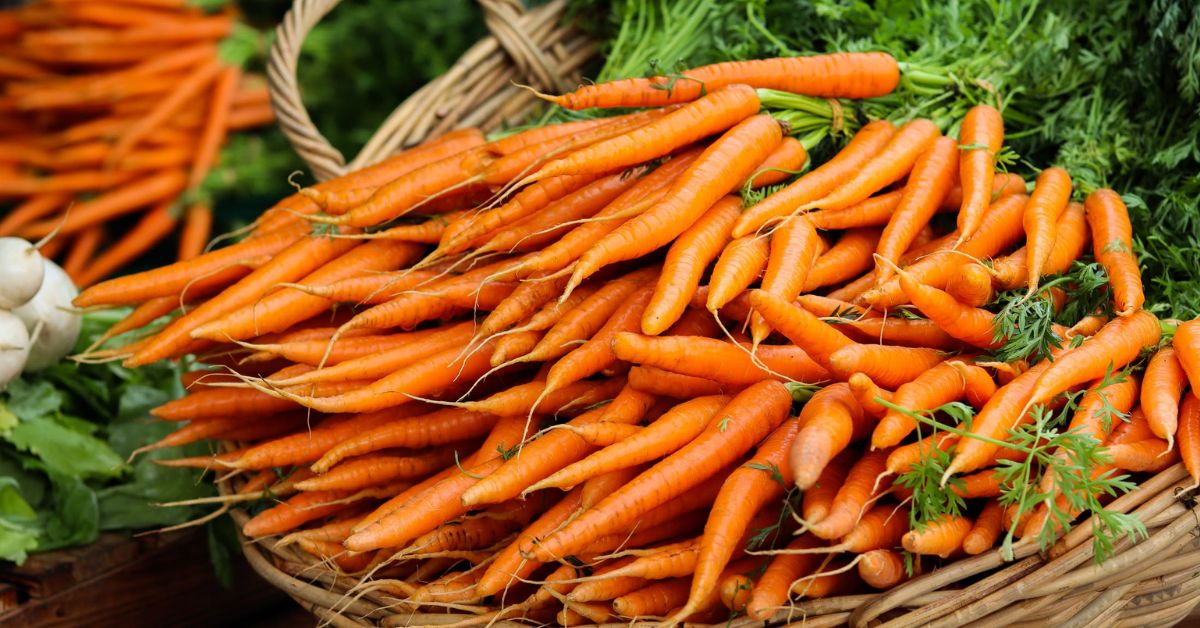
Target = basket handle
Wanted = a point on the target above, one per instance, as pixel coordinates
(507, 20)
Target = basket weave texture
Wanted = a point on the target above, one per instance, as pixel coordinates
(1154, 582)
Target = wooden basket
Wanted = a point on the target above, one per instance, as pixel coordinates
(1154, 582)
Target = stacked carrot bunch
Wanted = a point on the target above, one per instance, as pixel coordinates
(494, 382)
(110, 108)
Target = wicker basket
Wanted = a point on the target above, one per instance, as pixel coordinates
(1155, 582)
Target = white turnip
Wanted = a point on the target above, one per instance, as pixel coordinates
(20, 272)
(52, 324)
(14, 347)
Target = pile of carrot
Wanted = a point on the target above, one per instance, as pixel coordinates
(111, 108)
(565, 374)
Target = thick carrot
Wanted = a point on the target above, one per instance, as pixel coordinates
(1163, 384)
(882, 569)
(740, 264)
(785, 161)
(818, 339)
(773, 588)
(1049, 199)
(795, 246)
(829, 422)
(869, 140)
(930, 180)
(941, 537)
(939, 385)
(664, 436)
(1151, 455)
(686, 262)
(853, 497)
(847, 259)
(887, 166)
(837, 75)
(971, 285)
(746, 419)
(985, 529)
(1116, 344)
(719, 170)
(889, 366)
(907, 332)
(980, 139)
(695, 356)
(1112, 244)
(747, 490)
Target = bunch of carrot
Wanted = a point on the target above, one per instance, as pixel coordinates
(496, 384)
(111, 108)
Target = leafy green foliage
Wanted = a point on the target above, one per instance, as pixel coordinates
(65, 434)
(1025, 326)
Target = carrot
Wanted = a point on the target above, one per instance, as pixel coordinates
(971, 285)
(152, 228)
(788, 159)
(685, 263)
(866, 392)
(629, 406)
(1047, 202)
(930, 180)
(602, 434)
(215, 125)
(664, 436)
(751, 415)
(837, 75)
(889, 366)
(31, 209)
(853, 497)
(829, 422)
(818, 339)
(794, 248)
(906, 332)
(771, 591)
(375, 470)
(294, 512)
(412, 432)
(941, 537)
(695, 356)
(969, 324)
(819, 498)
(828, 307)
(221, 266)
(740, 264)
(283, 308)
(1150, 455)
(1188, 434)
(891, 163)
(197, 227)
(191, 85)
(1001, 227)
(847, 259)
(877, 210)
(1112, 244)
(980, 139)
(523, 399)
(869, 140)
(81, 252)
(1186, 343)
(882, 569)
(1132, 430)
(130, 196)
(1163, 384)
(719, 170)
(715, 112)
(509, 565)
(939, 385)
(985, 530)
(1115, 345)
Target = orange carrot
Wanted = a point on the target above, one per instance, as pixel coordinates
(1112, 244)
(1163, 384)
(971, 285)
(1187, 350)
(882, 569)
(866, 392)
(941, 537)
(1118, 343)
(891, 163)
(853, 497)
(1047, 202)
(847, 259)
(412, 432)
(939, 385)
(773, 588)
(818, 339)
(985, 530)
(1188, 434)
(829, 422)
(152, 228)
(889, 366)
(930, 180)
(794, 248)
(1151, 455)
(740, 264)
(980, 140)
(695, 356)
(215, 125)
(819, 498)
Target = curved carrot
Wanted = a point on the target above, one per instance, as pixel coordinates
(1047, 202)
(853, 497)
(869, 140)
(1163, 384)
(971, 285)
(985, 530)
(882, 569)
(1151, 455)
(939, 385)
(866, 392)
(891, 163)
(980, 140)
(1112, 244)
(794, 248)
(686, 262)
(1187, 349)
(1116, 344)
(787, 159)
(818, 339)
(836, 75)
(941, 537)
(847, 259)
(1188, 434)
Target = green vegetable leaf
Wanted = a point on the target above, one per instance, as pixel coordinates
(64, 450)
(18, 523)
(75, 516)
(32, 400)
